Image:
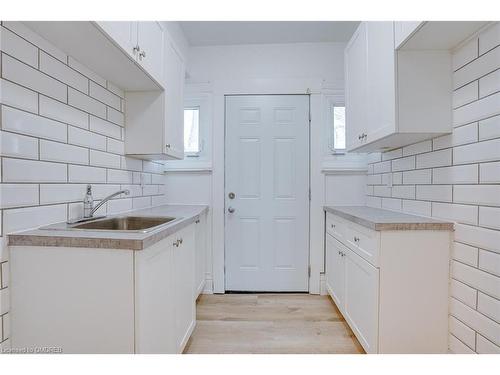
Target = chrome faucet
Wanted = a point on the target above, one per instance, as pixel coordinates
(88, 202)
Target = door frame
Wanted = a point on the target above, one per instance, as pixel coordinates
(308, 94)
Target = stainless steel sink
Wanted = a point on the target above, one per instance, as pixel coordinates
(125, 223)
(141, 224)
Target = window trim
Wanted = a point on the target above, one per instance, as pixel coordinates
(200, 137)
(332, 102)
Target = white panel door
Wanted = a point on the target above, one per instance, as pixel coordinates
(267, 169)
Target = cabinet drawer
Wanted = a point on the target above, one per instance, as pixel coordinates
(335, 226)
(363, 241)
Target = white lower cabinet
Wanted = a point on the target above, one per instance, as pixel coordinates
(86, 300)
(361, 299)
(390, 286)
(200, 254)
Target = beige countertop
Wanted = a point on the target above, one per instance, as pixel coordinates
(184, 214)
(380, 219)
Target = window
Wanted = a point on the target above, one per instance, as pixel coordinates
(192, 144)
(336, 126)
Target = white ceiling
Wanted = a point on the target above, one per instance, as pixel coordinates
(208, 33)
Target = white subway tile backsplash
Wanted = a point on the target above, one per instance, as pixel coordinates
(465, 94)
(489, 262)
(485, 346)
(460, 136)
(61, 193)
(440, 158)
(84, 174)
(374, 157)
(488, 306)
(403, 164)
(462, 332)
(477, 152)
(18, 96)
(456, 212)
(417, 148)
(104, 159)
(489, 217)
(116, 206)
(476, 236)
(63, 72)
(141, 202)
(476, 69)
(458, 347)
(19, 48)
(22, 30)
(419, 176)
(85, 71)
(19, 146)
(463, 174)
(61, 152)
(374, 179)
(488, 195)
(86, 103)
(475, 320)
(489, 39)
(131, 164)
(489, 172)
(382, 167)
(62, 112)
(100, 93)
(397, 178)
(403, 191)
(27, 123)
(33, 217)
(75, 210)
(476, 278)
(115, 146)
(382, 191)
(4, 300)
(478, 110)
(375, 202)
(465, 54)
(417, 207)
(150, 190)
(119, 176)
(392, 204)
(18, 195)
(463, 293)
(489, 84)
(465, 253)
(438, 193)
(86, 139)
(115, 90)
(116, 117)
(105, 127)
(25, 75)
(489, 128)
(389, 155)
(20, 170)
(152, 167)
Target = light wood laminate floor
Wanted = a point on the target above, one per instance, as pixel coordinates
(270, 323)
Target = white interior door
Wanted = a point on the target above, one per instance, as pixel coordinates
(267, 170)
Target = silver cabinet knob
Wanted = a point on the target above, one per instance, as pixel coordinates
(180, 241)
(167, 145)
(142, 54)
(136, 49)
(230, 209)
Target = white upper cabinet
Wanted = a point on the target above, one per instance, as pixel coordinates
(142, 40)
(154, 120)
(394, 98)
(403, 30)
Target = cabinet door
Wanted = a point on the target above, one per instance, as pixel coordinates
(355, 86)
(174, 97)
(380, 80)
(361, 299)
(151, 44)
(154, 310)
(184, 302)
(124, 33)
(200, 255)
(335, 271)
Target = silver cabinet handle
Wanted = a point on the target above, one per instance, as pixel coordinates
(180, 241)
(230, 209)
(136, 49)
(142, 55)
(176, 243)
(167, 145)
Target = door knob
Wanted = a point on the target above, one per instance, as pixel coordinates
(231, 195)
(230, 209)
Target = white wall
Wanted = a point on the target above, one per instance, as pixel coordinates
(62, 126)
(457, 177)
(315, 68)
